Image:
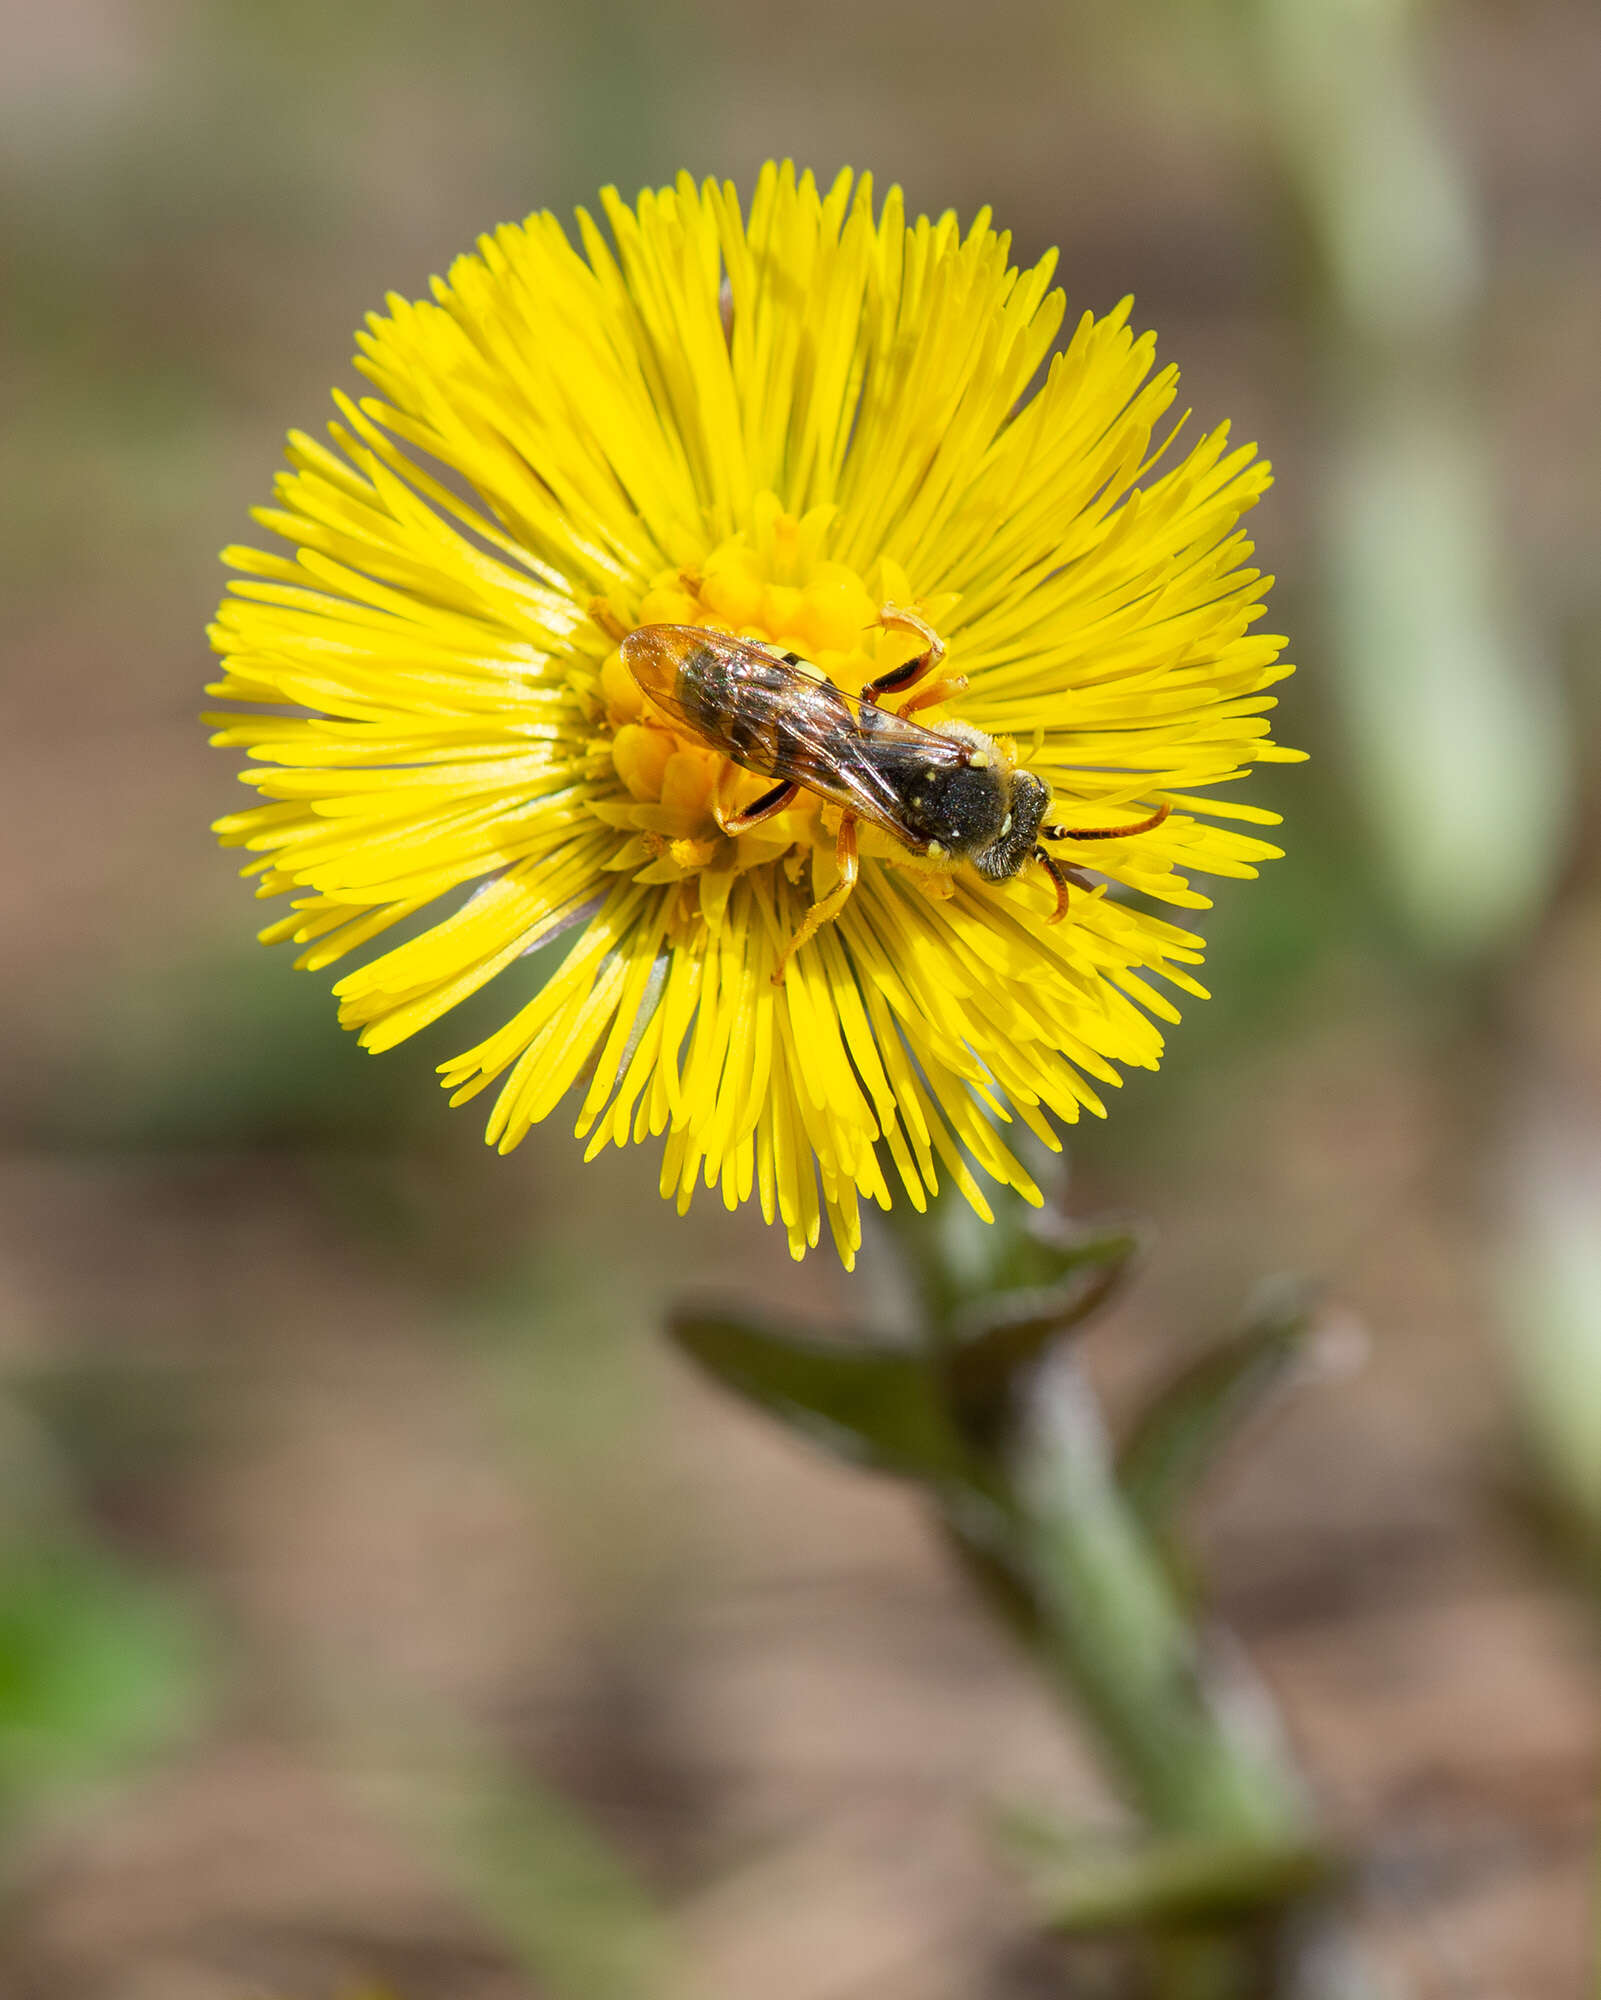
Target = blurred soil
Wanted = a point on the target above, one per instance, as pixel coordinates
(750, 1669)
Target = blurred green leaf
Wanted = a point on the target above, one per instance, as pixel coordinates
(964, 1266)
(1188, 1423)
(872, 1406)
(995, 1341)
(97, 1667)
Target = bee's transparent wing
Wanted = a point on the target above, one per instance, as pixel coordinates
(774, 718)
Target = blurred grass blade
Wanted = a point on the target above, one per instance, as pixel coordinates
(872, 1406)
(1445, 698)
(1550, 1300)
(1347, 99)
(564, 1901)
(1188, 1423)
(1445, 701)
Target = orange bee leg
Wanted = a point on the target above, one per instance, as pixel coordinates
(934, 691)
(1064, 881)
(1059, 882)
(825, 911)
(735, 823)
(1106, 832)
(899, 680)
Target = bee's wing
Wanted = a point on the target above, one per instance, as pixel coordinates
(657, 654)
(843, 747)
(743, 699)
(877, 770)
(770, 716)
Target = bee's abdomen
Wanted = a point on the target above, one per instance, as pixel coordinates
(721, 697)
(762, 709)
(655, 656)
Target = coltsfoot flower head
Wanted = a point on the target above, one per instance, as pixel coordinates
(771, 427)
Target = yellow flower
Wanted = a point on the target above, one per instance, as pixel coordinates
(774, 425)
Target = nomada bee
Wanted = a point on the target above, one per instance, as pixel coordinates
(950, 794)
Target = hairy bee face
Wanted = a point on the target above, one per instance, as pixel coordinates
(1014, 841)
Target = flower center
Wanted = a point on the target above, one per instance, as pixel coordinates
(774, 586)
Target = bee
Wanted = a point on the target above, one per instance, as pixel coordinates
(951, 794)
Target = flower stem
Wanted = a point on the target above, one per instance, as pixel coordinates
(993, 1415)
(1192, 1735)
(1071, 1559)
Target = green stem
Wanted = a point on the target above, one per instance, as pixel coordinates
(1195, 1739)
(1231, 1842)
(991, 1414)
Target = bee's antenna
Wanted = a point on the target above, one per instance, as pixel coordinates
(1107, 832)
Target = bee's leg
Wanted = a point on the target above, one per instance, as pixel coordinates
(1106, 832)
(1060, 879)
(734, 823)
(917, 672)
(899, 680)
(825, 911)
(1057, 881)
(934, 691)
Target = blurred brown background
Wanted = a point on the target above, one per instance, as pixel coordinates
(380, 1605)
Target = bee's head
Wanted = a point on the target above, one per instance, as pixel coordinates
(1014, 839)
(983, 811)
